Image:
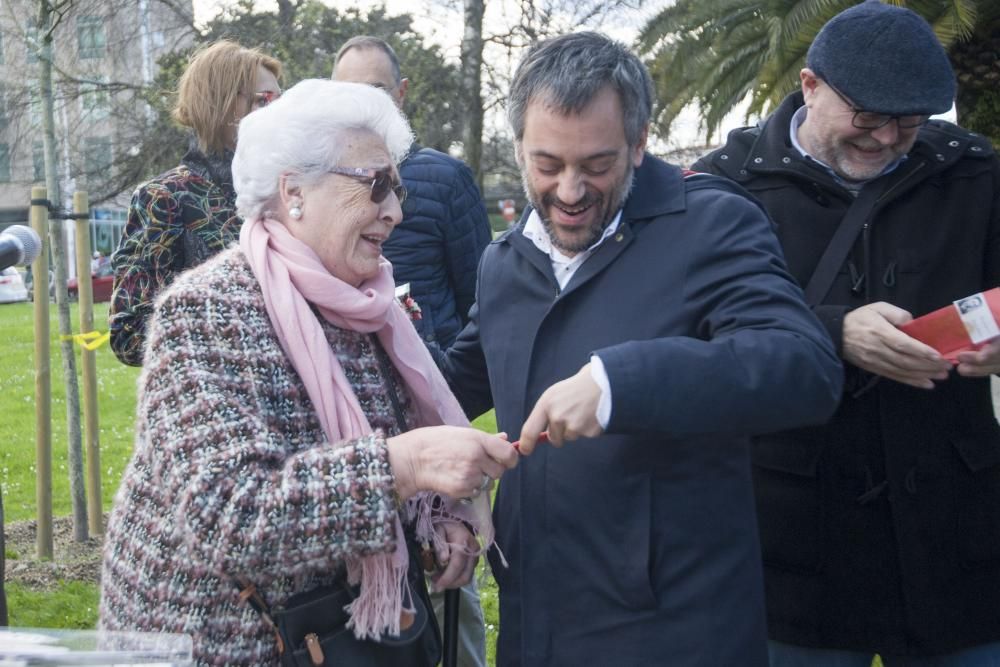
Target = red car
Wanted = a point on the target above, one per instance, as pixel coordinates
(102, 280)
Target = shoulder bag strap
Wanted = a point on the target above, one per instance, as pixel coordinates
(248, 593)
(840, 245)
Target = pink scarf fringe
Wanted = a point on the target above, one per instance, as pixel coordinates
(291, 278)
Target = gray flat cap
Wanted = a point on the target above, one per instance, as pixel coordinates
(885, 59)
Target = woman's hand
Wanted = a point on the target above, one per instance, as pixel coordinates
(454, 556)
(447, 459)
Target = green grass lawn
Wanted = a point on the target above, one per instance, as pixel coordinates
(116, 400)
(73, 604)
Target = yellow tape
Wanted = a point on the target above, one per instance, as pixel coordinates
(89, 341)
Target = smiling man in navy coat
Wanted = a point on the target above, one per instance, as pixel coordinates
(649, 319)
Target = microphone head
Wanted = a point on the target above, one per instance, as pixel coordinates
(29, 239)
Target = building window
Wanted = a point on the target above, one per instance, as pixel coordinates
(38, 161)
(97, 153)
(106, 226)
(4, 163)
(31, 42)
(90, 35)
(34, 102)
(95, 100)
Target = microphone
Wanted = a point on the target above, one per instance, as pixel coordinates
(18, 245)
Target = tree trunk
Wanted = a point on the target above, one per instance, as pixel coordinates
(286, 12)
(57, 239)
(472, 93)
(3, 567)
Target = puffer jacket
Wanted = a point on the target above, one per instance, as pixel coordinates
(881, 529)
(436, 248)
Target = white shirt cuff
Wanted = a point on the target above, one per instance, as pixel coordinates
(600, 376)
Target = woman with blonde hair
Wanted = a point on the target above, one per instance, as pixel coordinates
(182, 217)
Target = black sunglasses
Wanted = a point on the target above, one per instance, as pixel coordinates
(380, 179)
(872, 120)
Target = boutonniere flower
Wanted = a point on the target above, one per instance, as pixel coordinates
(408, 303)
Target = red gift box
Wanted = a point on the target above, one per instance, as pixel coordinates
(960, 326)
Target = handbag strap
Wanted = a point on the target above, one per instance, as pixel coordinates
(248, 594)
(840, 244)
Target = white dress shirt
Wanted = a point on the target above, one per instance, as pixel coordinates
(564, 267)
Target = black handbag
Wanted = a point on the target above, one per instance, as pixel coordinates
(311, 628)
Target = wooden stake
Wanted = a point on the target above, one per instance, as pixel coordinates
(88, 364)
(43, 379)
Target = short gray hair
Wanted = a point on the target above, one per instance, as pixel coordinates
(569, 71)
(369, 42)
(301, 134)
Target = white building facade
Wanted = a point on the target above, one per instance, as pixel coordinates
(105, 55)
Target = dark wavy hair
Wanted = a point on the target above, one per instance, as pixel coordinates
(569, 71)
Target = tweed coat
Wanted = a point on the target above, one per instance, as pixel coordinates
(232, 475)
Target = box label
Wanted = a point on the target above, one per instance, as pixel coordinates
(977, 318)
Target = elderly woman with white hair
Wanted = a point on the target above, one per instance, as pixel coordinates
(293, 431)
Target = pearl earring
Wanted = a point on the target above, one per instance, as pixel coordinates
(295, 212)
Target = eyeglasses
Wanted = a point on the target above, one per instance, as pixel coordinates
(380, 180)
(264, 97)
(871, 120)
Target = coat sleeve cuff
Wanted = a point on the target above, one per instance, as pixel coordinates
(600, 376)
(832, 319)
(622, 378)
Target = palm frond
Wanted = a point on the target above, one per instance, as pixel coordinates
(714, 53)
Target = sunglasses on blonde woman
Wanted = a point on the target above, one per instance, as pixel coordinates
(263, 98)
(380, 181)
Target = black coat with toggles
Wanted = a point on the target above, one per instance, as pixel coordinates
(881, 530)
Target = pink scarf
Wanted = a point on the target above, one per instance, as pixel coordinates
(291, 278)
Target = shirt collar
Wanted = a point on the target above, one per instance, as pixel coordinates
(535, 231)
(563, 267)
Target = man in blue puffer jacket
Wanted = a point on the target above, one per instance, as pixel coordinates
(436, 248)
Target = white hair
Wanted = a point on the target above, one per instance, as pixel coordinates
(301, 134)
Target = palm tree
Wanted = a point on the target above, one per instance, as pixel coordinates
(716, 53)
(977, 65)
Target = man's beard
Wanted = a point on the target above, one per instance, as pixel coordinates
(618, 195)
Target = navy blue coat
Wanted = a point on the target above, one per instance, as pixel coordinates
(437, 246)
(640, 547)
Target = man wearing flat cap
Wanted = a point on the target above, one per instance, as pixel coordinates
(881, 529)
